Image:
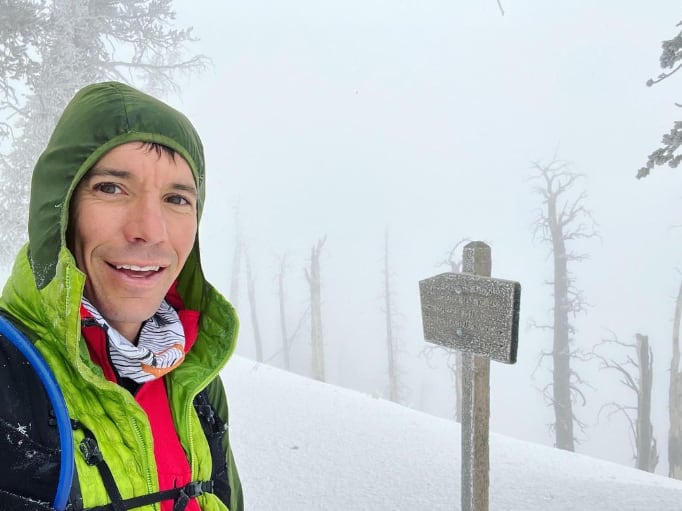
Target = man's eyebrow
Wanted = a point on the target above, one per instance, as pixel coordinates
(96, 172)
(185, 188)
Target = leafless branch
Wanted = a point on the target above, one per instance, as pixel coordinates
(663, 76)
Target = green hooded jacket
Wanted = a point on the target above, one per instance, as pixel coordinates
(45, 288)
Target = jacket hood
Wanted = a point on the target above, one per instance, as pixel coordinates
(99, 117)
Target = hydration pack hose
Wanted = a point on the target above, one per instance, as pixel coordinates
(8, 330)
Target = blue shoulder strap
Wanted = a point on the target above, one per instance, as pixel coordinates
(9, 331)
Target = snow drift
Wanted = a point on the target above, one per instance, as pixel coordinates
(305, 445)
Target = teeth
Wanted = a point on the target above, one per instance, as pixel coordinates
(134, 267)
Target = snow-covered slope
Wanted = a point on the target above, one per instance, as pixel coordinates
(303, 445)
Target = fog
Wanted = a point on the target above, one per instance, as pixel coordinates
(346, 119)
(343, 119)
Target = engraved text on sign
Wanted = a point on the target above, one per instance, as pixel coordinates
(471, 313)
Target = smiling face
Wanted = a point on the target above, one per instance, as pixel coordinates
(134, 221)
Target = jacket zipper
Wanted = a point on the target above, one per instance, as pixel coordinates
(89, 322)
(147, 468)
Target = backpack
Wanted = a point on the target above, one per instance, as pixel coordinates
(38, 461)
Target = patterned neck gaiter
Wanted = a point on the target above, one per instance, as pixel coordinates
(160, 346)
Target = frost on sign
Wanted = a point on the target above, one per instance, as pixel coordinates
(479, 315)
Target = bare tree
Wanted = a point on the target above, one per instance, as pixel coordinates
(391, 341)
(251, 287)
(454, 357)
(236, 259)
(675, 397)
(561, 220)
(287, 339)
(51, 49)
(282, 313)
(641, 429)
(314, 282)
(647, 453)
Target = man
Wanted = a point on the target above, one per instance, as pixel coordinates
(110, 291)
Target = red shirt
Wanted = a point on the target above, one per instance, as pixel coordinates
(172, 464)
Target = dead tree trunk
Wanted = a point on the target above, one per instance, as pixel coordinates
(314, 282)
(562, 219)
(254, 315)
(561, 350)
(287, 338)
(458, 385)
(647, 454)
(456, 267)
(282, 315)
(675, 398)
(390, 341)
(236, 260)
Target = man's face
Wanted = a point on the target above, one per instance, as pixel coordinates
(133, 225)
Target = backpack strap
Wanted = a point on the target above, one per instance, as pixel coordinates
(93, 456)
(19, 340)
(214, 429)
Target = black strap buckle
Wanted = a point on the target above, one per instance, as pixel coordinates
(191, 491)
(196, 488)
(90, 450)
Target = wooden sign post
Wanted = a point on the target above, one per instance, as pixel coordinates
(479, 316)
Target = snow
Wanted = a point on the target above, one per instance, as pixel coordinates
(306, 445)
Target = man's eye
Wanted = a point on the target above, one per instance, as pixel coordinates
(110, 188)
(178, 200)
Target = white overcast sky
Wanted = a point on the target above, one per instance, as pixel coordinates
(342, 118)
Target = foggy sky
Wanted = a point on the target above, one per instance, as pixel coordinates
(343, 118)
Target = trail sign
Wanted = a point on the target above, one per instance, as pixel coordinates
(479, 316)
(472, 313)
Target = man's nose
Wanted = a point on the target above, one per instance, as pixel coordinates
(146, 222)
